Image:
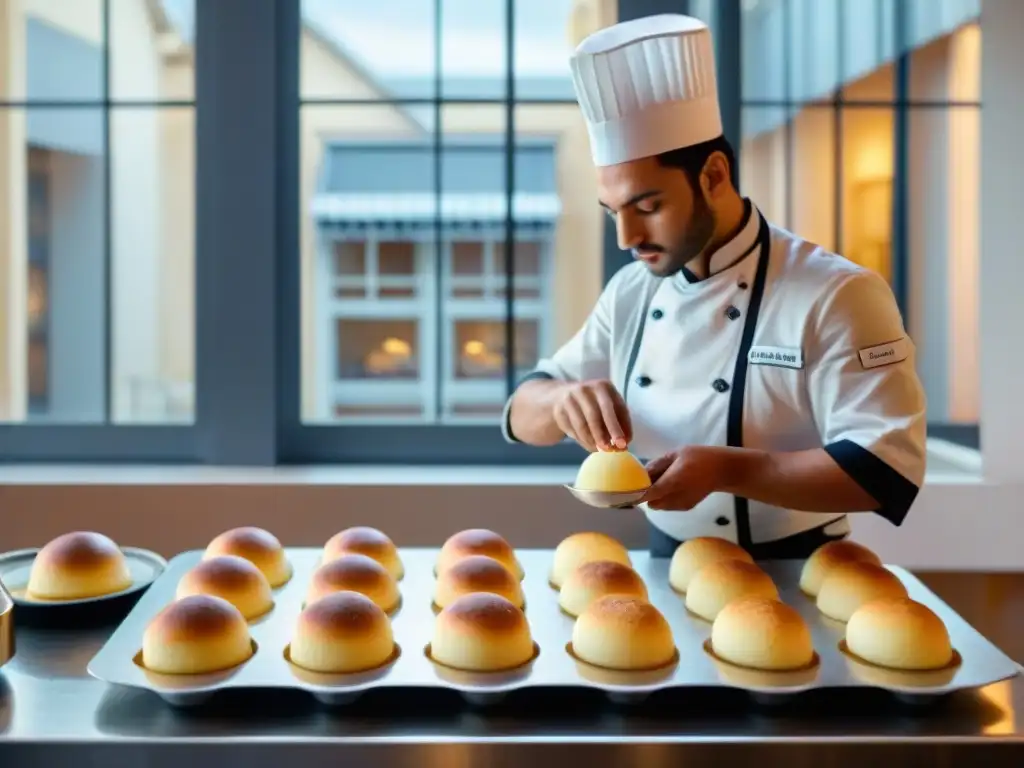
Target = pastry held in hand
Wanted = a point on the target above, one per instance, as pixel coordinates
(363, 540)
(78, 565)
(611, 479)
(584, 547)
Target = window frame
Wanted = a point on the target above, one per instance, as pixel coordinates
(247, 235)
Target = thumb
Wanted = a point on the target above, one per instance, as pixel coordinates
(657, 467)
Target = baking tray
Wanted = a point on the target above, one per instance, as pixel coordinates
(16, 566)
(981, 662)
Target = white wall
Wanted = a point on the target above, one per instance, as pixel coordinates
(1002, 189)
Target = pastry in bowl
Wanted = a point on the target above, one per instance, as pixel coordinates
(716, 585)
(850, 585)
(612, 472)
(342, 633)
(482, 632)
(828, 556)
(899, 633)
(232, 578)
(363, 540)
(694, 554)
(78, 565)
(196, 635)
(477, 573)
(596, 579)
(762, 633)
(623, 633)
(355, 573)
(585, 547)
(478, 541)
(259, 547)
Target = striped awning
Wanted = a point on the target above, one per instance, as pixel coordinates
(422, 208)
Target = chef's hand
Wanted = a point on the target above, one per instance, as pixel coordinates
(594, 414)
(683, 479)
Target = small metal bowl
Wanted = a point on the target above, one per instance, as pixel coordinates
(608, 499)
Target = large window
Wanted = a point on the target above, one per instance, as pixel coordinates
(861, 132)
(357, 260)
(449, 228)
(96, 229)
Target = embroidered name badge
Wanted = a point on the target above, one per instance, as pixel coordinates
(885, 354)
(783, 357)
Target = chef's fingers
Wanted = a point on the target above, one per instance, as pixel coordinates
(625, 422)
(664, 485)
(564, 423)
(617, 436)
(587, 400)
(657, 467)
(580, 431)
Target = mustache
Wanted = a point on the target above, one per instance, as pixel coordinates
(645, 248)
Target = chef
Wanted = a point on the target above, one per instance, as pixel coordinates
(770, 384)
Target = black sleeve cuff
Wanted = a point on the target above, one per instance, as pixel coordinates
(506, 419)
(894, 493)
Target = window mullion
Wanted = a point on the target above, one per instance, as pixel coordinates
(244, 138)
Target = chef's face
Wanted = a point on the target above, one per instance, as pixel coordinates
(661, 216)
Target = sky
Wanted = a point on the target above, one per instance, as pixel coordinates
(473, 35)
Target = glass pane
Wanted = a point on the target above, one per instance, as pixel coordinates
(943, 202)
(62, 44)
(52, 245)
(152, 220)
(370, 234)
(351, 49)
(474, 49)
(151, 49)
(867, 188)
(796, 189)
(948, 68)
(868, 41)
(546, 32)
(368, 238)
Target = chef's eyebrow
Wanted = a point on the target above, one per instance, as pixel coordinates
(634, 199)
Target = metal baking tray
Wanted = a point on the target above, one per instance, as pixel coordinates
(981, 662)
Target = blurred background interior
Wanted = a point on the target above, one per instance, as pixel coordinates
(433, 228)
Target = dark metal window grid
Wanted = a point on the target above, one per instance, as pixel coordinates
(247, 108)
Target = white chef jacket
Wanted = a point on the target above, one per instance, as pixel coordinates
(782, 348)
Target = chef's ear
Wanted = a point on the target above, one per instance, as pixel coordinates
(715, 178)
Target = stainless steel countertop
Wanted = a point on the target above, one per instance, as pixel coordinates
(52, 713)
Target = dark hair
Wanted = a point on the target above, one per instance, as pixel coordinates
(691, 160)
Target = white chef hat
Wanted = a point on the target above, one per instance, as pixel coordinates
(647, 86)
